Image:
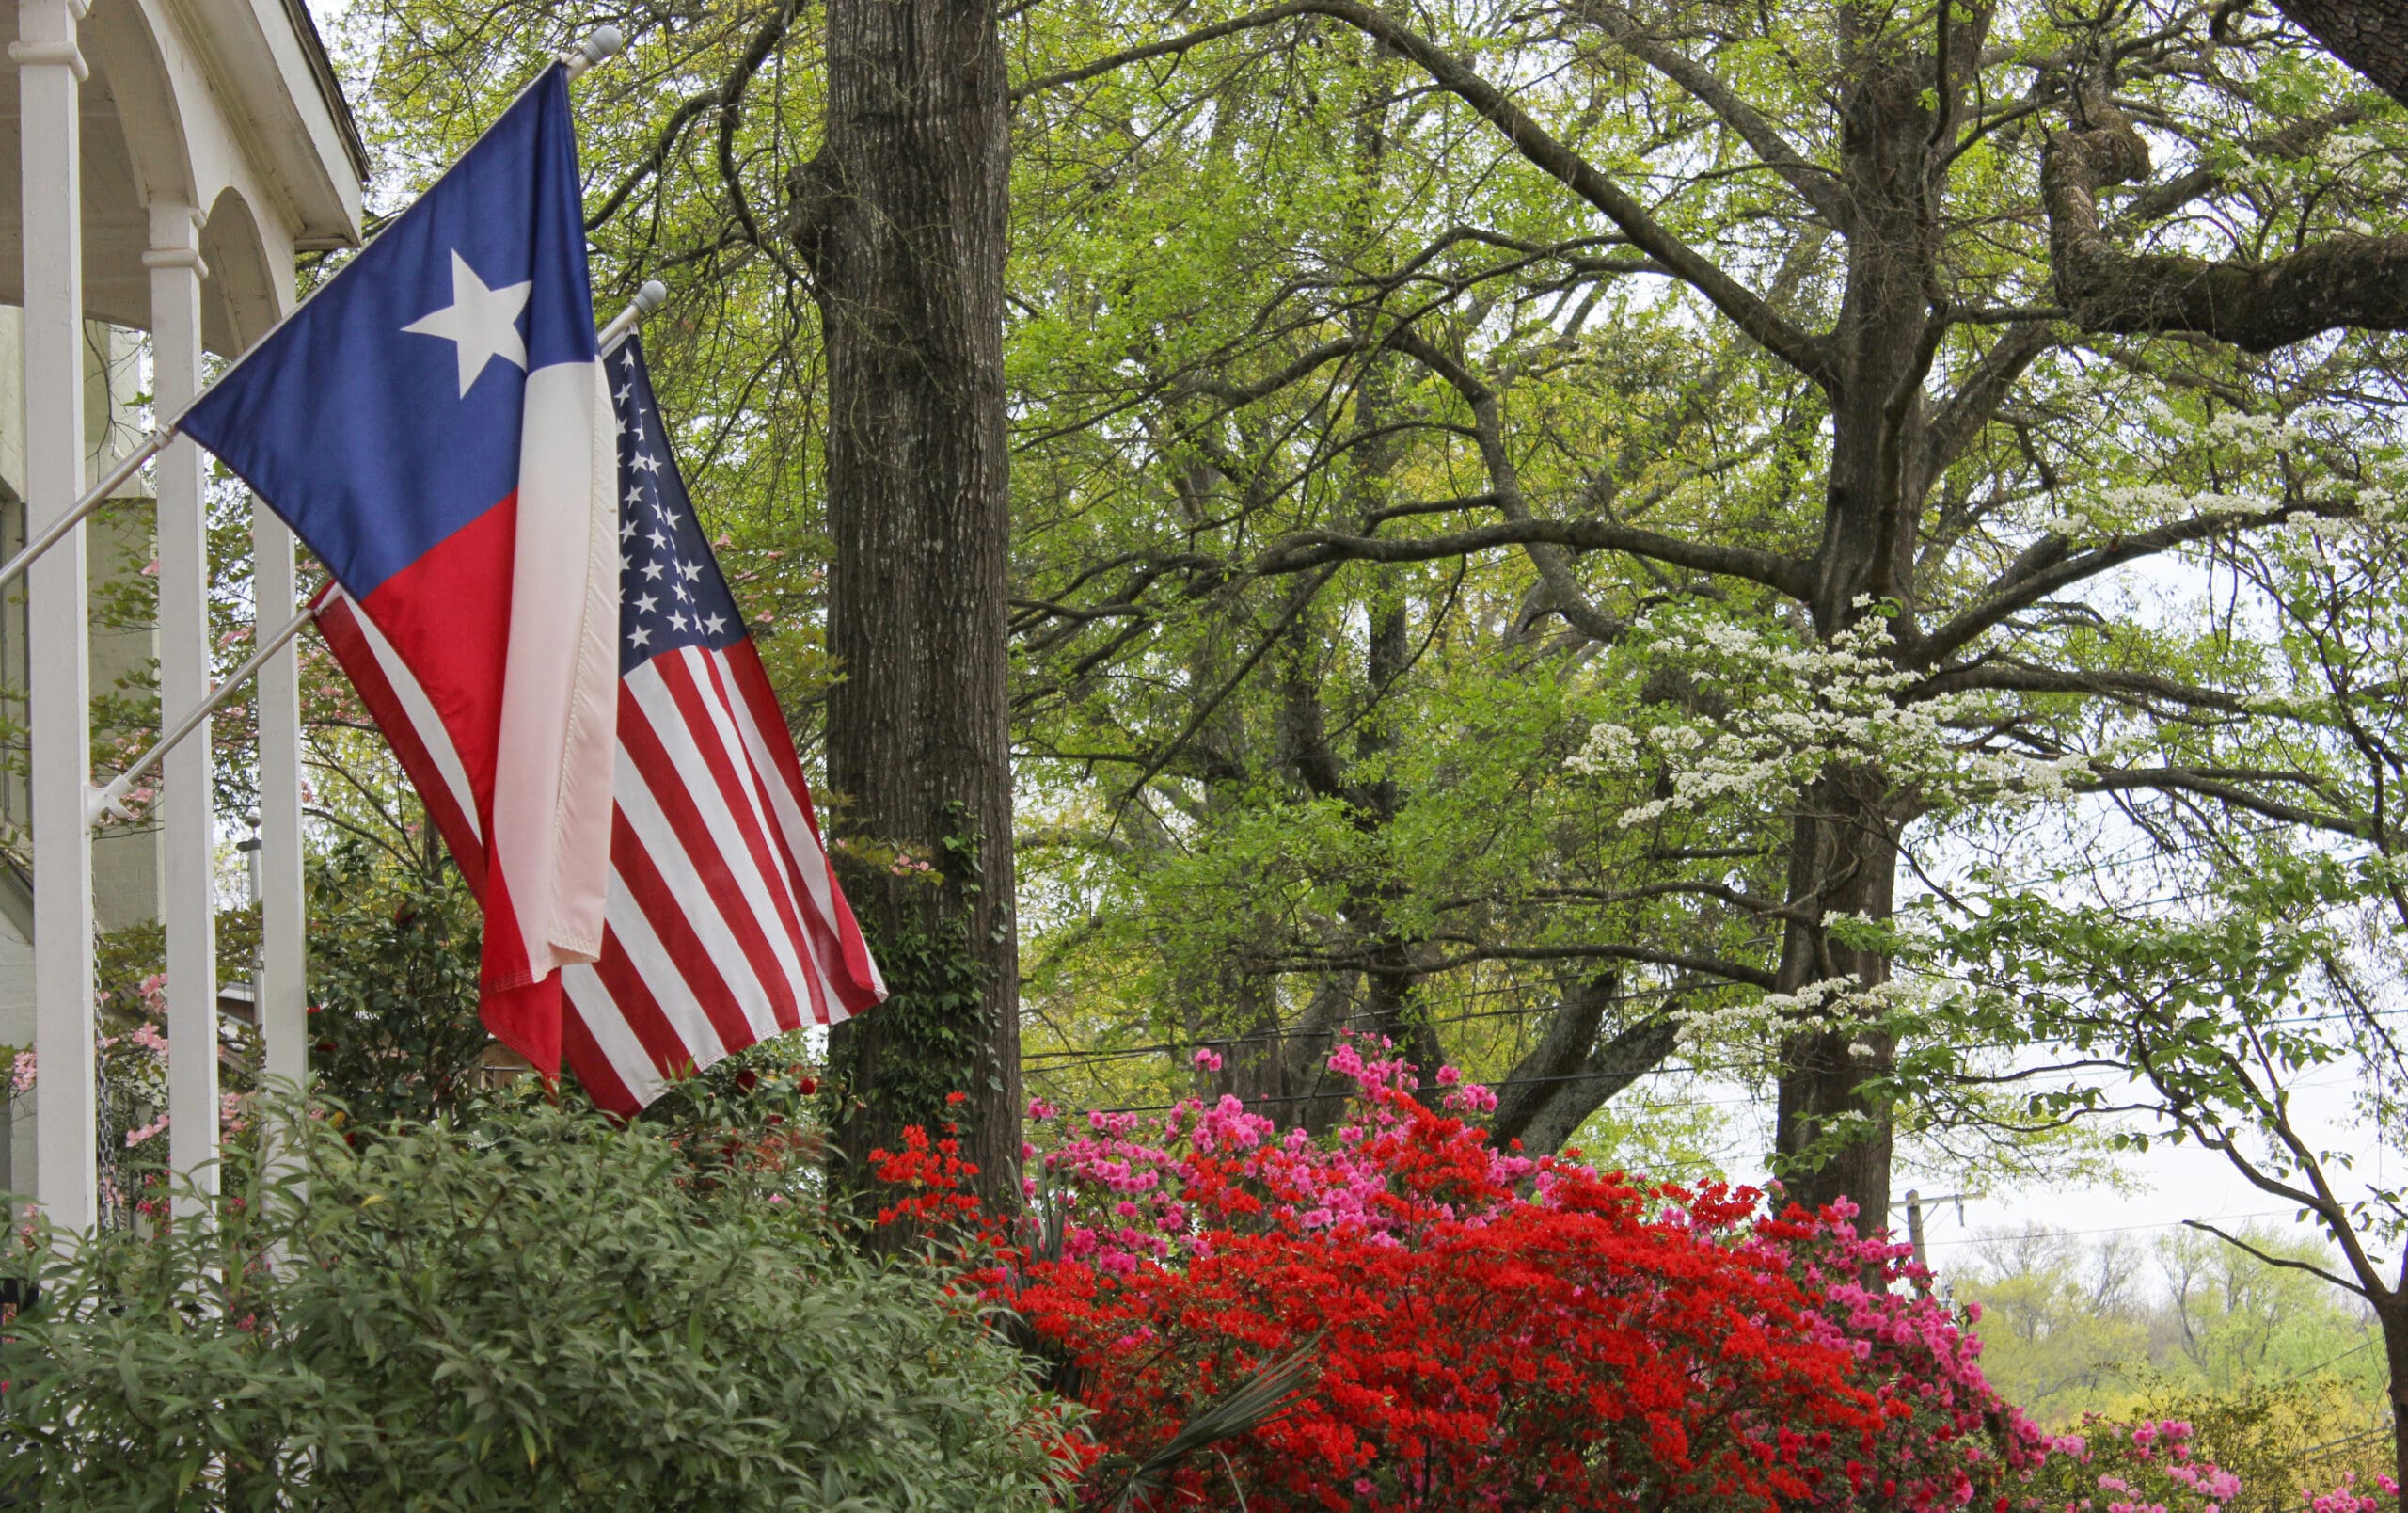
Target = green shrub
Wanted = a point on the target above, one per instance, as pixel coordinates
(539, 1311)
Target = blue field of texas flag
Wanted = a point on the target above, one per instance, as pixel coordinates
(436, 424)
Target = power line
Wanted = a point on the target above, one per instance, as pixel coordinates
(1506, 1082)
(1299, 1032)
(2123, 1229)
(2359, 1348)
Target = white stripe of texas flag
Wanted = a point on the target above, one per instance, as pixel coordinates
(560, 699)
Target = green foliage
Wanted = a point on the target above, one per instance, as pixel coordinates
(2120, 1329)
(539, 1310)
(2287, 1438)
(393, 958)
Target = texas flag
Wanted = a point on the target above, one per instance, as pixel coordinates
(436, 424)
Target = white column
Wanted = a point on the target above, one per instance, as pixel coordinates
(50, 73)
(187, 835)
(283, 1006)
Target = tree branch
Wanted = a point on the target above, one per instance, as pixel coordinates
(2239, 1244)
(1505, 480)
(2371, 38)
(2051, 564)
(1818, 186)
(1308, 549)
(2356, 282)
(2019, 678)
(2186, 780)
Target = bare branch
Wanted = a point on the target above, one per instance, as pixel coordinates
(2272, 1260)
(2051, 564)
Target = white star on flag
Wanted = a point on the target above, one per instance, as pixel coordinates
(481, 323)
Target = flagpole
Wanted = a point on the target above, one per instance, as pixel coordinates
(100, 803)
(597, 45)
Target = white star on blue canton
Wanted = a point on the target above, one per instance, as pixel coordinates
(481, 323)
(638, 636)
(692, 571)
(713, 624)
(651, 571)
(644, 605)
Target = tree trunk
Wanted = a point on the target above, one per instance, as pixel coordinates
(2392, 1317)
(1843, 859)
(901, 220)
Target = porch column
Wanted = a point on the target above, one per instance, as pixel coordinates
(283, 1006)
(50, 73)
(188, 833)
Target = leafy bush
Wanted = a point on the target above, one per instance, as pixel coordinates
(540, 1312)
(393, 985)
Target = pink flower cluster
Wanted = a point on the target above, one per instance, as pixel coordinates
(2346, 1498)
(2144, 1467)
(1124, 1176)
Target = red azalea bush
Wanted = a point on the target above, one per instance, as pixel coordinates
(1489, 1332)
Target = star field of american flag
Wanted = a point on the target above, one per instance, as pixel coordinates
(670, 594)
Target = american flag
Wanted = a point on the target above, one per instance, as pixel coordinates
(725, 924)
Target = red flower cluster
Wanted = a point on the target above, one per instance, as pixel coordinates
(1571, 1354)
(932, 1175)
(1488, 1332)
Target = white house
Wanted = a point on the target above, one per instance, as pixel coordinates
(162, 165)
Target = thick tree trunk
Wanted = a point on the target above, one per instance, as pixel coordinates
(1833, 1142)
(2392, 1317)
(1830, 1144)
(901, 220)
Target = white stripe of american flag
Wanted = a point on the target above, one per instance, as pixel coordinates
(708, 676)
(702, 791)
